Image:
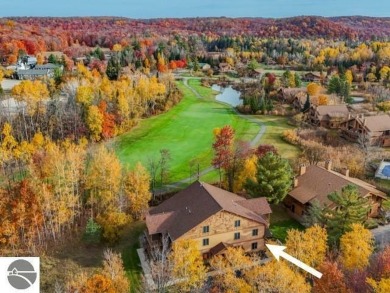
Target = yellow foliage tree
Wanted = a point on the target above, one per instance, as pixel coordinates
(349, 76)
(309, 246)
(313, 89)
(187, 265)
(84, 95)
(117, 48)
(356, 247)
(40, 59)
(112, 223)
(8, 143)
(247, 172)
(233, 259)
(276, 277)
(31, 92)
(94, 121)
(323, 100)
(103, 179)
(98, 283)
(382, 286)
(136, 189)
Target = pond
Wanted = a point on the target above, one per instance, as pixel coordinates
(227, 95)
(357, 100)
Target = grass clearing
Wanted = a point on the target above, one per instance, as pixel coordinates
(186, 131)
(273, 135)
(281, 222)
(205, 92)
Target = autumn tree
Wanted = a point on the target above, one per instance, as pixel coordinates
(136, 188)
(95, 121)
(98, 283)
(187, 264)
(227, 265)
(356, 247)
(223, 148)
(273, 178)
(332, 280)
(313, 89)
(276, 276)
(103, 180)
(308, 246)
(113, 269)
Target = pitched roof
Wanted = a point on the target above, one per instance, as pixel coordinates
(333, 110)
(258, 205)
(317, 183)
(376, 123)
(46, 66)
(32, 72)
(193, 205)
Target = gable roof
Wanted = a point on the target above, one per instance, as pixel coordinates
(317, 183)
(333, 110)
(375, 123)
(32, 72)
(193, 205)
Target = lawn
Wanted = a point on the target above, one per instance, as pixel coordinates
(281, 222)
(273, 135)
(186, 131)
(205, 92)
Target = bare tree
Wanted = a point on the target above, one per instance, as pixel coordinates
(160, 265)
(153, 166)
(165, 157)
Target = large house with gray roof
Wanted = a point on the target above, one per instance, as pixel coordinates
(213, 217)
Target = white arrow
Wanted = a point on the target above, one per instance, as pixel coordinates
(277, 251)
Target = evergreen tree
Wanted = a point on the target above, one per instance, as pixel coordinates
(307, 104)
(347, 208)
(92, 232)
(314, 215)
(273, 178)
(113, 68)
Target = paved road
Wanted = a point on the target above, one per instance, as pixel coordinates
(253, 142)
(382, 236)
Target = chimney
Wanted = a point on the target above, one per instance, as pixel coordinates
(302, 169)
(349, 116)
(328, 165)
(295, 182)
(364, 122)
(345, 172)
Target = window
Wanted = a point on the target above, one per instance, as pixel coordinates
(237, 223)
(236, 235)
(254, 245)
(255, 232)
(206, 229)
(205, 242)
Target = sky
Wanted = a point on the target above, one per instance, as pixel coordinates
(194, 8)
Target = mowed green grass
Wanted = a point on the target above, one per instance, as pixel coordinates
(273, 135)
(185, 130)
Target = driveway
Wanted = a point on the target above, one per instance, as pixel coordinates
(382, 235)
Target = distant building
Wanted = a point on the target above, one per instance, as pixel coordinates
(330, 116)
(213, 217)
(316, 183)
(375, 130)
(38, 71)
(313, 77)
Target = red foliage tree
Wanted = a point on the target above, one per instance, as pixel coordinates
(108, 126)
(331, 281)
(263, 149)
